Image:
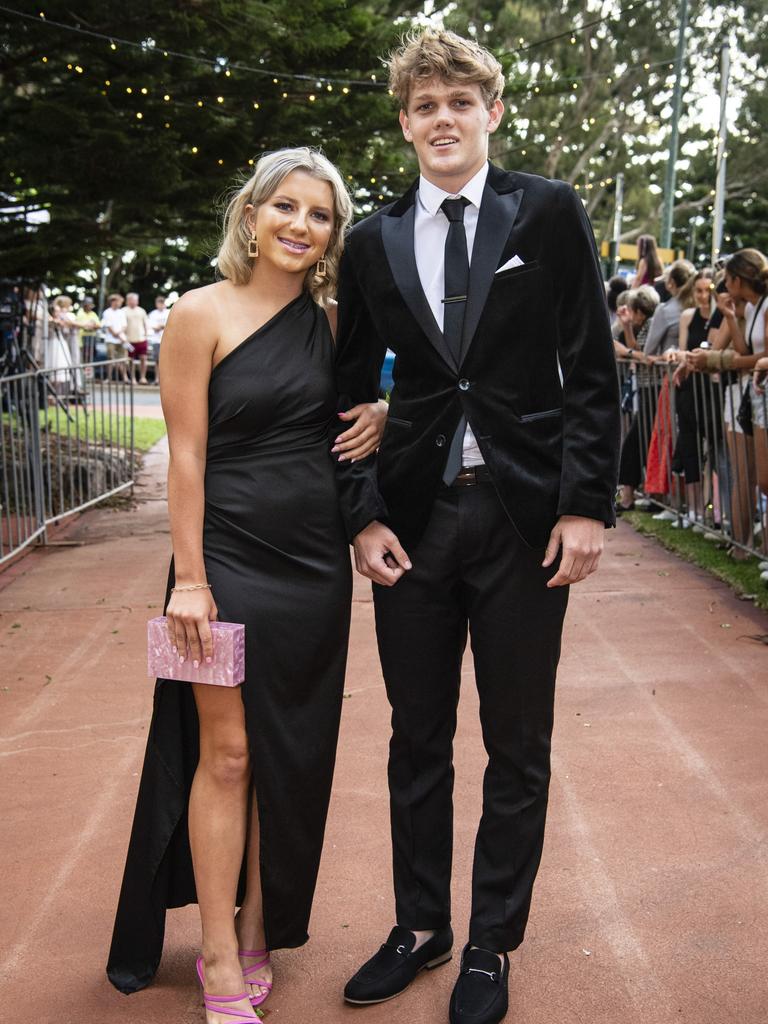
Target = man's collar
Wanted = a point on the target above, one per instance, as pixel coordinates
(431, 196)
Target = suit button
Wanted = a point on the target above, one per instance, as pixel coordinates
(440, 440)
(464, 384)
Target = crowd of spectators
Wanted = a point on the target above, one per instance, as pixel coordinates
(691, 345)
(62, 338)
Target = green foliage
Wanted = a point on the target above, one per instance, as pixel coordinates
(591, 103)
(89, 136)
(143, 192)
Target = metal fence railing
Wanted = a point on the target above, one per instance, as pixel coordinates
(697, 445)
(66, 443)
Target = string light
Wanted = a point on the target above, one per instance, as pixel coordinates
(194, 149)
(217, 63)
(255, 106)
(144, 91)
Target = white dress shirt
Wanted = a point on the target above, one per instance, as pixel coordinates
(430, 231)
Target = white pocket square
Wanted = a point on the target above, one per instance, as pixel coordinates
(514, 262)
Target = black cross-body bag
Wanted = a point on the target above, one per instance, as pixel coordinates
(744, 415)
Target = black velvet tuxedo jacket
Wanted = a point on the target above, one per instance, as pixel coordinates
(551, 447)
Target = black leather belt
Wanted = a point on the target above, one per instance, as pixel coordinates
(470, 475)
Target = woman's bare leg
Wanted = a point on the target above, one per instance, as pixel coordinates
(250, 918)
(742, 486)
(218, 808)
(761, 467)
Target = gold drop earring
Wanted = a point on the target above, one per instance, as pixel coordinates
(321, 269)
(253, 246)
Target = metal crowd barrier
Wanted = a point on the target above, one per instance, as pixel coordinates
(66, 443)
(684, 445)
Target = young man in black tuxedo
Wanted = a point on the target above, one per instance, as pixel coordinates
(496, 475)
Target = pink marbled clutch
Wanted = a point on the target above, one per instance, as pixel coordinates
(227, 668)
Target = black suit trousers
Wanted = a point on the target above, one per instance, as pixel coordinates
(471, 572)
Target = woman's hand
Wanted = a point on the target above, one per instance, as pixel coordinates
(364, 436)
(680, 375)
(724, 303)
(697, 359)
(189, 613)
(758, 377)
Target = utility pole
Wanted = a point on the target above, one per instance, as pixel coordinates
(722, 139)
(618, 214)
(674, 137)
(105, 221)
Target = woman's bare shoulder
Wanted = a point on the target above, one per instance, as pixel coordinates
(198, 311)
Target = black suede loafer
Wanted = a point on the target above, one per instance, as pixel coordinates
(394, 967)
(480, 993)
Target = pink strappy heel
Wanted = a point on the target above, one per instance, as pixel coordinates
(247, 971)
(213, 1003)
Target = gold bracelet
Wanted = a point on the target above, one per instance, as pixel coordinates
(194, 586)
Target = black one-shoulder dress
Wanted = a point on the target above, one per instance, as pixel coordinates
(277, 561)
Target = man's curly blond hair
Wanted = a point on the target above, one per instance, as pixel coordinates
(429, 53)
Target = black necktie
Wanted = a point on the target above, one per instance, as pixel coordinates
(456, 267)
(456, 274)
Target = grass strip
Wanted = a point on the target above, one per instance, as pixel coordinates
(743, 577)
(147, 431)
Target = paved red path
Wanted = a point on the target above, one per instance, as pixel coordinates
(651, 905)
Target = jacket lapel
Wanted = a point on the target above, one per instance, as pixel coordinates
(494, 224)
(397, 236)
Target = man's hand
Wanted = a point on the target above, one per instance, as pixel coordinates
(582, 542)
(379, 556)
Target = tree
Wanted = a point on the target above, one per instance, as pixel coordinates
(589, 95)
(127, 149)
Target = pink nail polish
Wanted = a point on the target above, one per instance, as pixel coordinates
(175, 651)
(195, 664)
(208, 661)
(181, 659)
(342, 458)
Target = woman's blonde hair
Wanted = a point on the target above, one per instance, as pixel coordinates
(751, 266)
(430, 53)
(682, 273)
(271, 169)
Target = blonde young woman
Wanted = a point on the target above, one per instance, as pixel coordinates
(235, 789)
